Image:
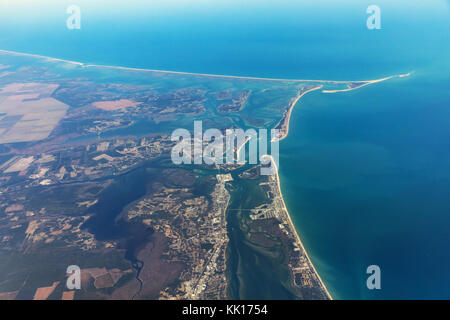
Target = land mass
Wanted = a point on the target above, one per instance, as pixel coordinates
(86, 178)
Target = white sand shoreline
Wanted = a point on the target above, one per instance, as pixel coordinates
(244, 78)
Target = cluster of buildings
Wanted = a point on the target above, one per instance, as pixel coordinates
(196, 229)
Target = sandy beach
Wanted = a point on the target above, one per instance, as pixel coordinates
(294, 230)
(283, 125)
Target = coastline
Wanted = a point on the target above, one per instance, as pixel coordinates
(283, 125)
(276, 177)
(291, 224)
(81, 64)
(40, 57)
(366, 83)
(284, 122)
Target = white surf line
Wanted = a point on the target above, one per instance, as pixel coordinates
(292, 227)
(196, 74)
(366, 83)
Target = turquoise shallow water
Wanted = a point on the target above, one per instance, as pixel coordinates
(365, 173)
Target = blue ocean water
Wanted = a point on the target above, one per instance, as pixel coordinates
(366, 173)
